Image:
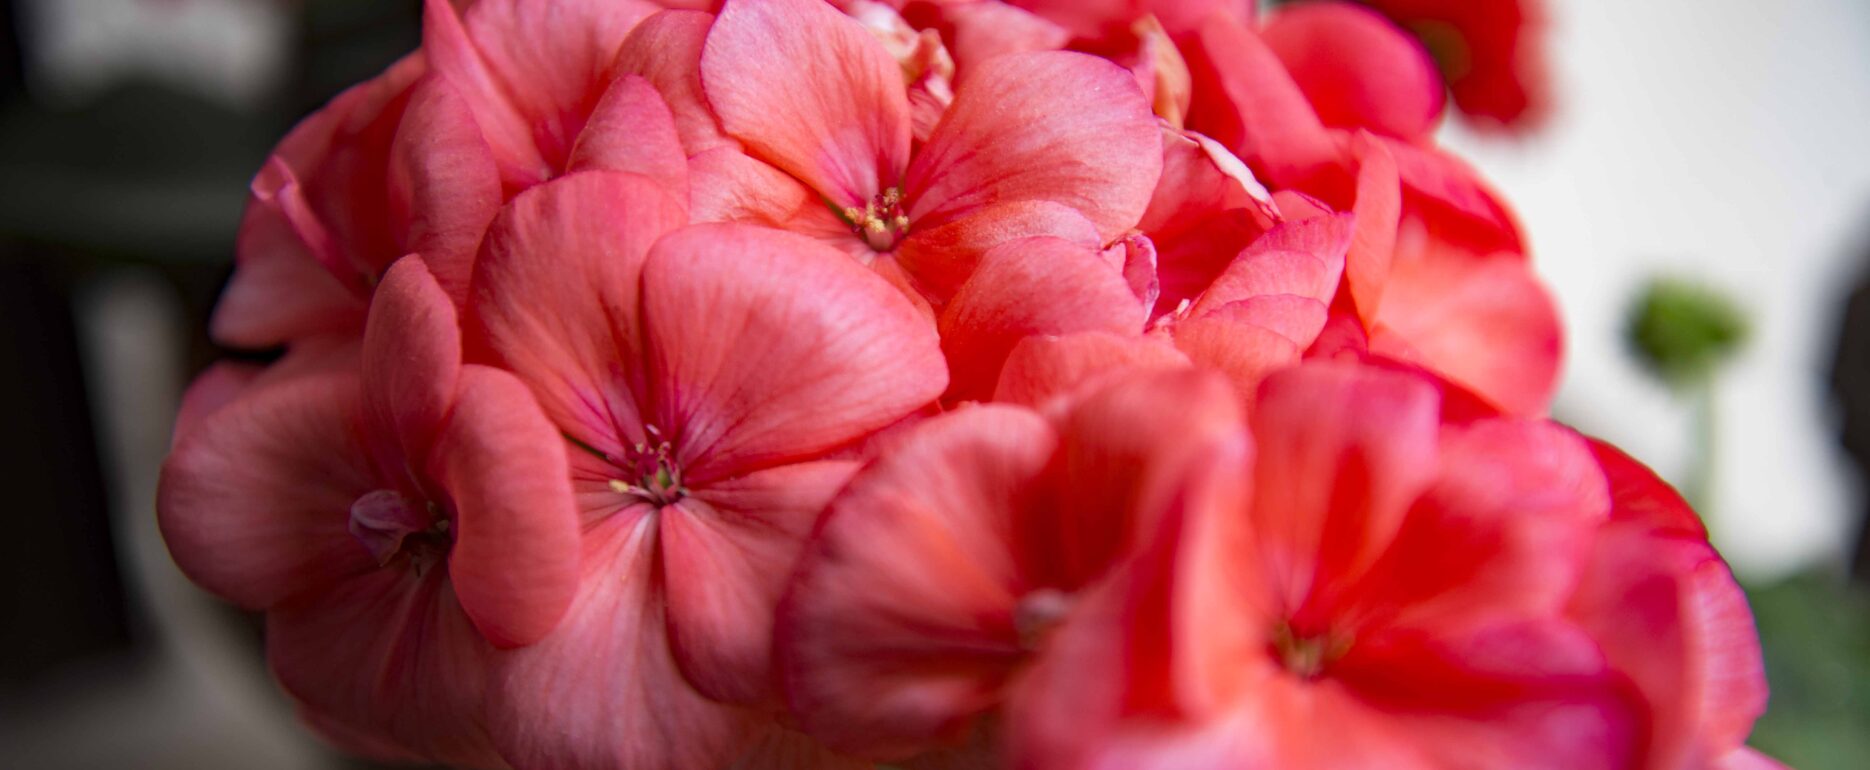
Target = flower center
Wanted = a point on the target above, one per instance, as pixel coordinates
(390, 524)
(881, 222)
(654, 476)
(1307, 655)
(1037, 614)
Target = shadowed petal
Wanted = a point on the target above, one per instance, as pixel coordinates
(412, 358)
(443, 171)
(1358, 69)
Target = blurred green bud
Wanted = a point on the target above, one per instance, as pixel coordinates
(1682, 331)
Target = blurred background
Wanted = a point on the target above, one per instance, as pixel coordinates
(1699, 188)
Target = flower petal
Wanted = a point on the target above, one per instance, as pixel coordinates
(767, 347)
(602, 691)
(1245, 99)
(254, 502)
(412, 358)
(390, 650)
(726, 555)
(942, 258)
(515, 557)
(443, 170)
(1024, 288)
(898, 630)
(1064, 127)
(1043, 368)
(1358, 69)
(1301, 259)
(556, 292)
(665, 49)
(631, 129)
(807, 89)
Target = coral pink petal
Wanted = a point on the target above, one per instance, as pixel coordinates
(1453, 197)
(899, 628)
(254, 501)
(1486, 324)
(1064, 127)
(942, 258)
(1024, 288)
(1379, 212)
(767, 347)
(1501, 534)
(665, 49)
(390, 650)
(1041, 369)
(1358, 69)
(515, 558)
(1300, 259)
(1640, 497)
(1244, 98)
(727, 185)
(1343, 451)
(281, 288)
(556, 295)
(443, 171)
(412, 358)
(1532, 695)
(216, 387)
(532, 71)
(726, 555)
(631, 129)
(809, 90)
(1237, 343)
(1102, 18)
(602, 691)
(976, 32)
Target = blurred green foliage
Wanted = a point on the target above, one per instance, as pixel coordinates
(1816, 632)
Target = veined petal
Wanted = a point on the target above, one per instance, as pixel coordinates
(767, 347)
(515, 558)
(631, 129)
(1025, 288)
(665, 49)
(807, 89)
(1059, 126)
(942, 258)
(412, 358)
(602, 692)
(727, 552)
(556, 292)
(254, 502)
(443, 172)
(899, 628)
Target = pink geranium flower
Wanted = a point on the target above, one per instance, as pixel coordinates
(936, 578)
(715, 380)
(1041, 144)
(396, 528)
(1349, 583)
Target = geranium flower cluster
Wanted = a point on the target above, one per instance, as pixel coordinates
(787, 384)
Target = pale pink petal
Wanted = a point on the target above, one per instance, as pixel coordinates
(556, 293)
(631, 129)
(767, 347)
(389, 649)
(1025, 288)
(1486, 324)
(942, 258)
(1064, 127)
(726, 555)
(442, 170)
(1358, 69)
(1041, 369)
(807, 89)
(899, 629)
(1747, 759)
(602, 691)
(412, 358)
(254, 502)
(665, 49)
(1343, 451)
(515, 557)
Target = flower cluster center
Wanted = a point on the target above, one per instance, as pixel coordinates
(654, 475)
(881, 222)
(390, 524)
(1305, 655)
